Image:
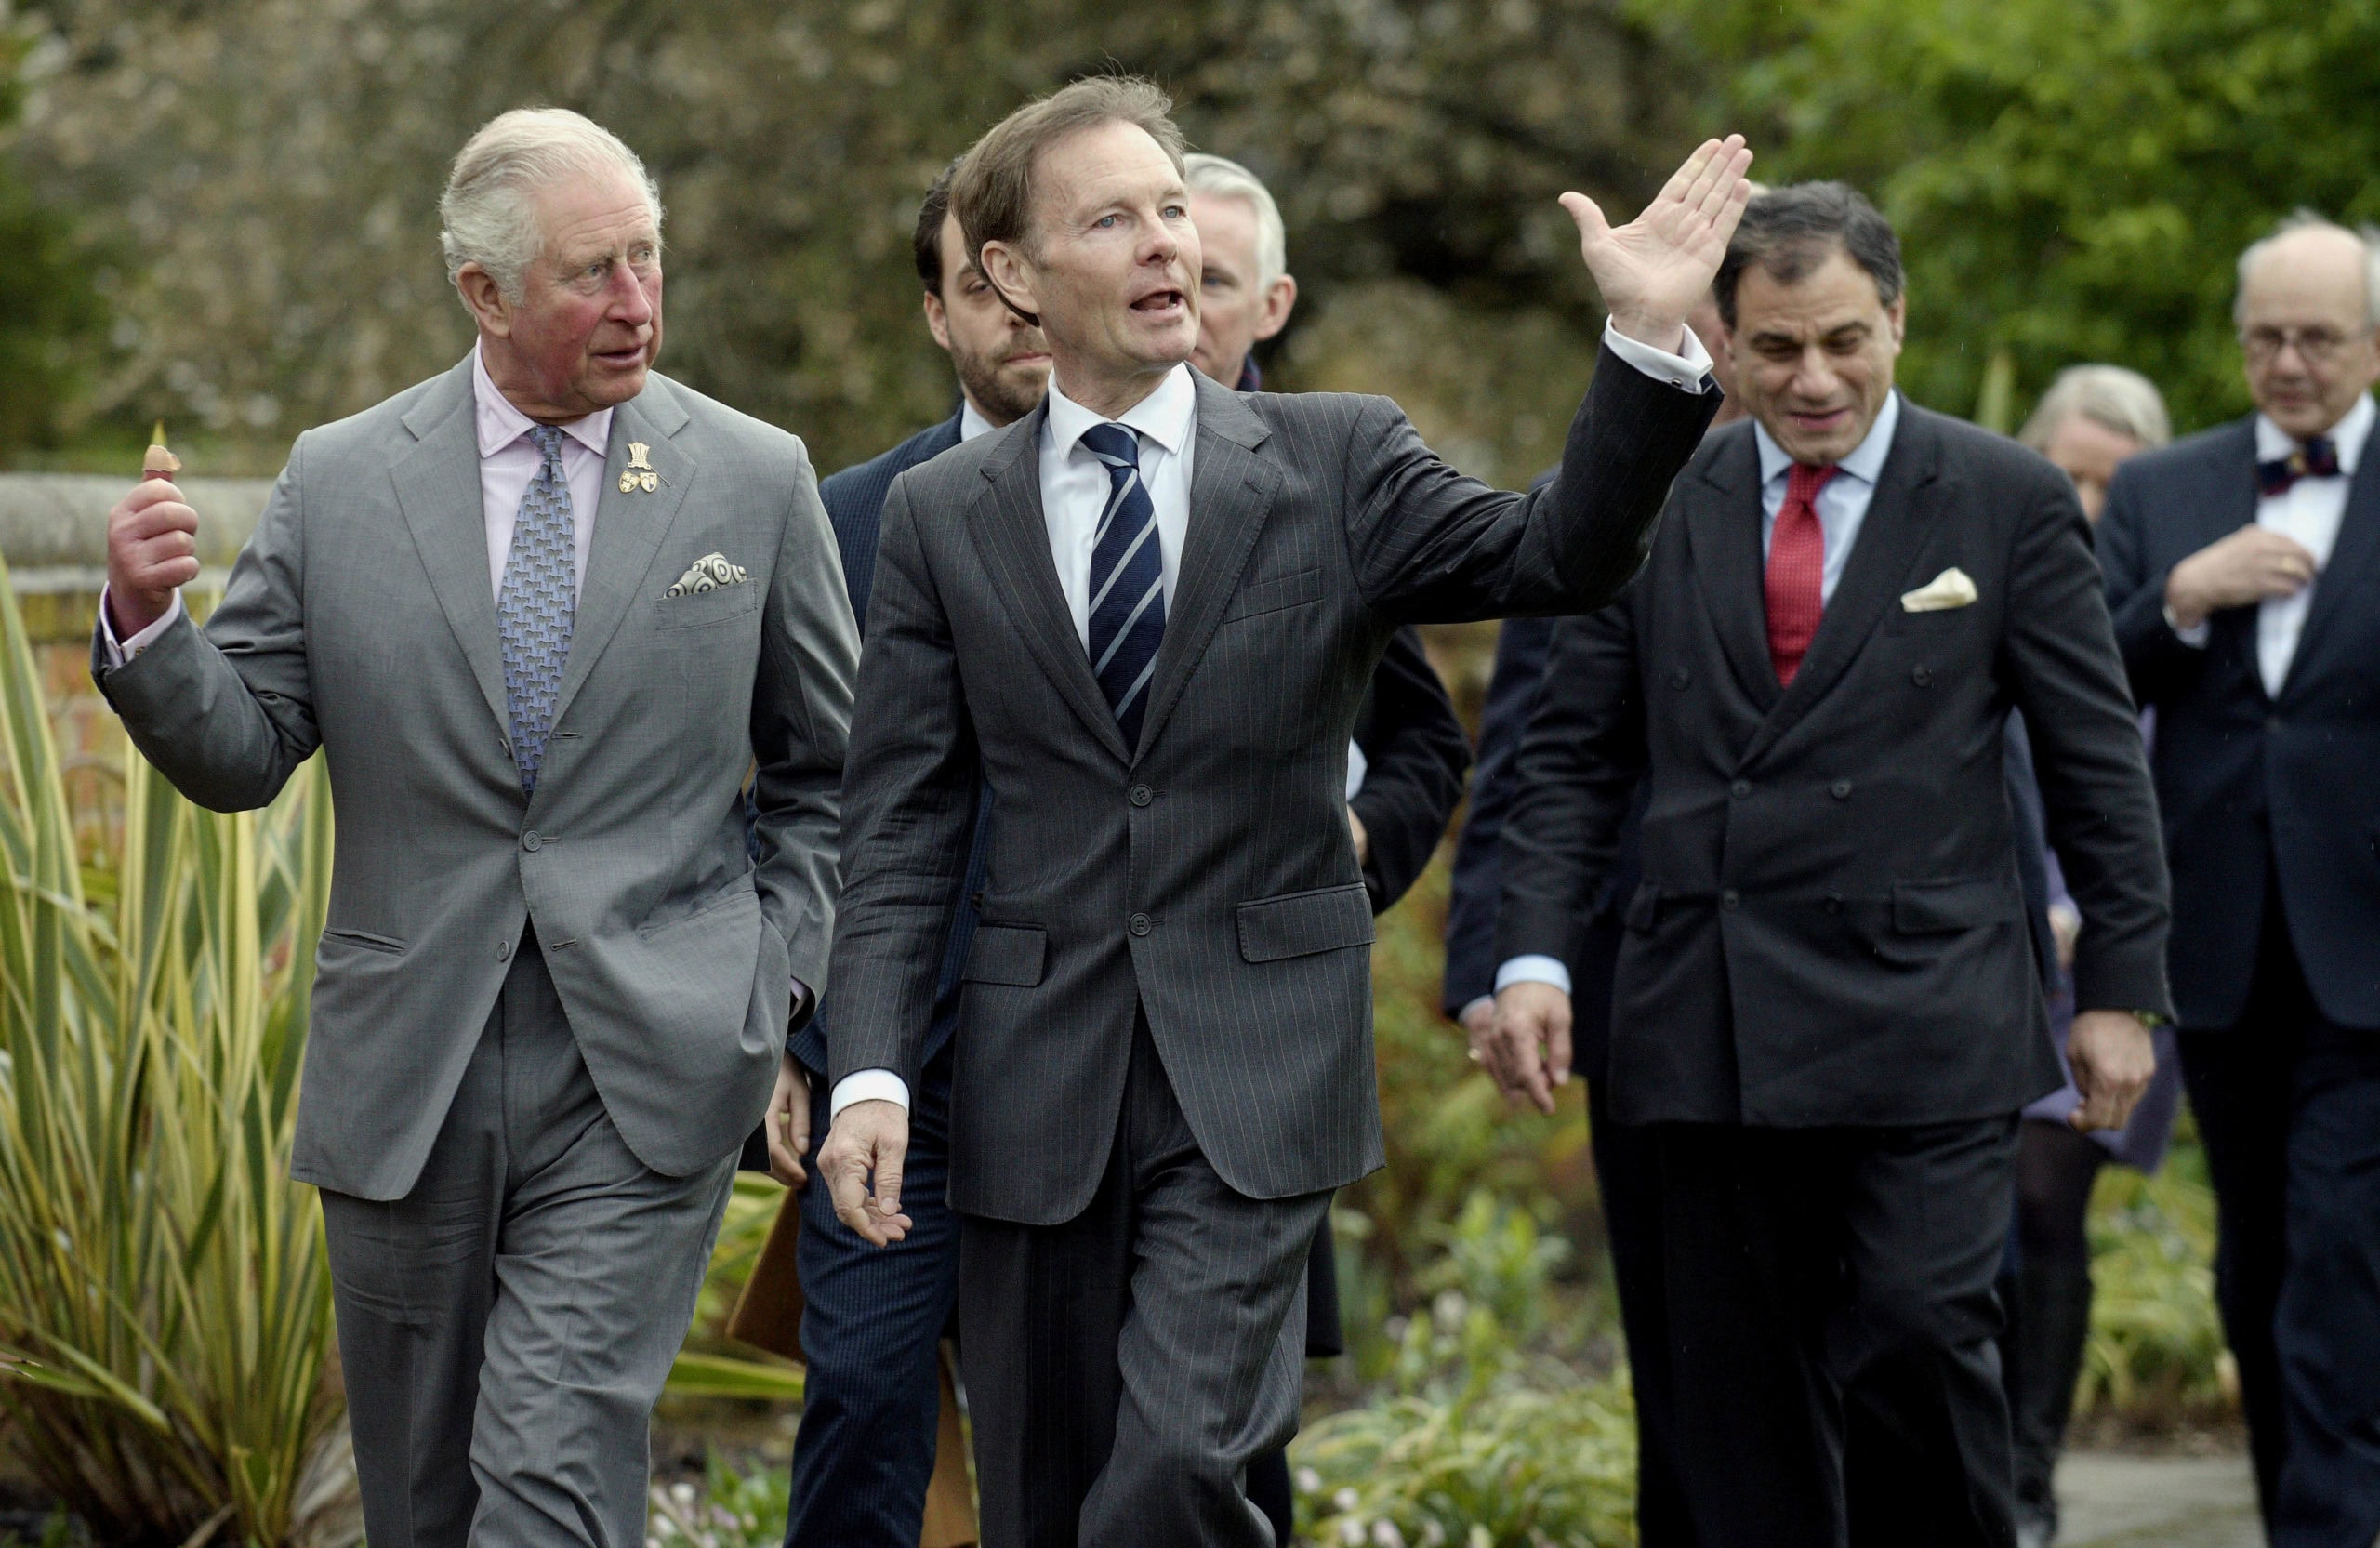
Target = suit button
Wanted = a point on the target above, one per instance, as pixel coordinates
(1731, 899)
(1835, 903)
(1840, 789)
(504, 951)
(1741, 788)
(1141, 794)
(531, 842)
(1141, 925)
(1921, 676)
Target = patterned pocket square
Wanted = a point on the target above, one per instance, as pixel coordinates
(707, 573)
(1950, 588)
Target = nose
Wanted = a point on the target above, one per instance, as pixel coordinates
(630, 304)
(1162, 245)
(1814, 378)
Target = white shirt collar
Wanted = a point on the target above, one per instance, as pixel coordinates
(1866, 461)
(1166, 416)
(971, 422)
(2348, 435)
(501, 424)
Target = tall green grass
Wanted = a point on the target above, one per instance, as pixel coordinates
(164, 1301)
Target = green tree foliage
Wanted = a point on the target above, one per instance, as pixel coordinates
(51, 316)
(2072, 179)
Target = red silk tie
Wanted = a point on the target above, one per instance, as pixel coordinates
(1796, 571)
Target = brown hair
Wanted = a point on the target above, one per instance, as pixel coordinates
(992, 193)
(925, 242)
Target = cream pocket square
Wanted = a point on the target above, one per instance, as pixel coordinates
(1950, 588)
(712, 571)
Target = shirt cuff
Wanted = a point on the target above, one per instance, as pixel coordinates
(1690, 368)
(800, 1000)
(1533, 970)
(120, 653)
(868, 1085)
(2196, 635)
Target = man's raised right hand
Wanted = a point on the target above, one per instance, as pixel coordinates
(869, 1138)
(153, 550)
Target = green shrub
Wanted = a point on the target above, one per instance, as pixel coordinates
(2156, 1357)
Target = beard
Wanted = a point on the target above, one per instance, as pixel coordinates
(1003, 393)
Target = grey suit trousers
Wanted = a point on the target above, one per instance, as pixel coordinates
(507, 1325)
(1126, 1365)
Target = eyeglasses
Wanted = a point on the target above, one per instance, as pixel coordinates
(2317, 347)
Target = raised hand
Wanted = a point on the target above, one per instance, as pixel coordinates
(152, 547)
(1652, 270)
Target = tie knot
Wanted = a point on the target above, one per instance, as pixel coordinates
(1804, 482)
(1114, 444)
(547, 439)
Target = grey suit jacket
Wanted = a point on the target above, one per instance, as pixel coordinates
(358, 619)
(1205, 877)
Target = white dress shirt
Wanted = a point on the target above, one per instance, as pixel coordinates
(509, 459)
(2309, 510)
(1842, 506)
(1074, 492)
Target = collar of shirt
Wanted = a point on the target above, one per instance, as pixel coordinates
(1865, 463)
(2348, 435)
(971, 422)
(1167, 416)
(501, 424)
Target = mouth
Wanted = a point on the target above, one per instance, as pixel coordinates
(1026, 357)
(1163, 305)
(621, 359)
(1818, 421)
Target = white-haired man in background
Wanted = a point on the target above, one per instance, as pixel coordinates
(540, 613)
(1245, 291)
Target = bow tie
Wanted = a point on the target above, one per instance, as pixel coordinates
(2318, 459)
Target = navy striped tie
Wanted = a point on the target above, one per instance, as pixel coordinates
(1127, 582)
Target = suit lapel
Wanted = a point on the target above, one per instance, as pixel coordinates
(1723, 538)
(629, 528)
(437, 482)
(2234, 628)
(1231, 494)
(1014, 538)
(2340, 586)
(1900, 515)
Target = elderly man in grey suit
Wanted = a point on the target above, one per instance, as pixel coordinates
(1144, 615)
(540, 613)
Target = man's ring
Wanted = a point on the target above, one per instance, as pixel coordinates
(1476, 1057)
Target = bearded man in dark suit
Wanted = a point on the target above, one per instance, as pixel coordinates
(1827, 1007)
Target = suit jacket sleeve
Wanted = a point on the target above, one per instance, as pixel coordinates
(910, 793)
(2060, 659)
(1477, 888)
(1417, 754)
(1575, 778)
(1430, 544)
(2154, 657)
(801, 714)
(226, 713)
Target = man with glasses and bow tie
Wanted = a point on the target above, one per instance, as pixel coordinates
(1145, 616)
(2242, 570)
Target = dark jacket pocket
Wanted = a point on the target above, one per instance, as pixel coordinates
(1012, 954)
(1644, 907)
(1934, 908)
(365, 939)
(1296, 924)
(1272, 596)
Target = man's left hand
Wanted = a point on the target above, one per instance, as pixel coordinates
(1653, 270)
(789, 1123)
(2113, 1058)
(1363, 840)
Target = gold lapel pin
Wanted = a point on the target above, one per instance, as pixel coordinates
(639, 473)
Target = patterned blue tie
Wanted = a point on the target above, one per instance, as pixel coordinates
(1127, 582)
(536, 604)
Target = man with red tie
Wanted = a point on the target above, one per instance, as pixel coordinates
(1828, 1007)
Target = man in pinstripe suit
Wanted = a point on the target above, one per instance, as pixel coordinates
(1145, 616)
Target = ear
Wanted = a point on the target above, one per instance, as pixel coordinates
(937, 320)
(1278, 303)
(481, 293)
(1896, 316)
(1010, 275)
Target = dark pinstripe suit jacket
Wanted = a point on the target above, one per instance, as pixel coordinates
(1206, 877)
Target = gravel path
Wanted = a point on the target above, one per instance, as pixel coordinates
(2112, 1501)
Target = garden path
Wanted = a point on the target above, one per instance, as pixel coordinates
(2109, 1499)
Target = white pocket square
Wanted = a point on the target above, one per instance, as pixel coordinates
(1950, 588)
(707, 573)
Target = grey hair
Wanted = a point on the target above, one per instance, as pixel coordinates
(486, 216)
(1224, 179)
(2309, 220)
(2109, 396)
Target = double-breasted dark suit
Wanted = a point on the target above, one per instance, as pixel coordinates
(1827, 999)
(1169, 994)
